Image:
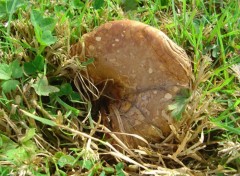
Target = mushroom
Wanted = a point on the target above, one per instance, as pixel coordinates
(148, 70)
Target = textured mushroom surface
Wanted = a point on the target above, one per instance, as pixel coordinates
(148, 70)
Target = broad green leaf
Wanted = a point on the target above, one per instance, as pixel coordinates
(47, 38)
(3, 10)
(36, 17)
(177, 109)
(29, 135)
(6, 7)
(119, 169)
(7, 143)
(76, 4)
(34, 66)
(44, 24)
(22, 154)
(60, 8)
(179, 104)
(47, 24)
(42, 87)
(109, 170)
(65, 89)
(17, 71)
(92, 172)
(102, 173)
(58, 155)
(130, 4)
(43, 28)
(165, 3)
(5, 72)
(87, 164)
(40, 119)
(97, 4)
(30, 146)
(29, 68)
(9, 85)
(75, 97)
(17, 155)
(38, 33)
(18, 4)
(38, 62)
(119, 166)
(66, 160)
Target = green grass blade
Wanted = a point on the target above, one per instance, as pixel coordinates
(40, 119)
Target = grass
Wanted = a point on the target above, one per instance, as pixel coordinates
(46, 127)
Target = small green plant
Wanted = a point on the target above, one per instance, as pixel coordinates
(89, 166)
(43, 27)
(10, 75)
(35, 66)
(18, 154)
(179, 104)
(8, 7)
(97, 4)
(42, 87)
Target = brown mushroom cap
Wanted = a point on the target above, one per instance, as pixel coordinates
(148, 70)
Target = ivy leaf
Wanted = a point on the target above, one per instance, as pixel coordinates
(17, 71)
(9, 85)
(178, 106)
(5, 72)
(42, 87)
